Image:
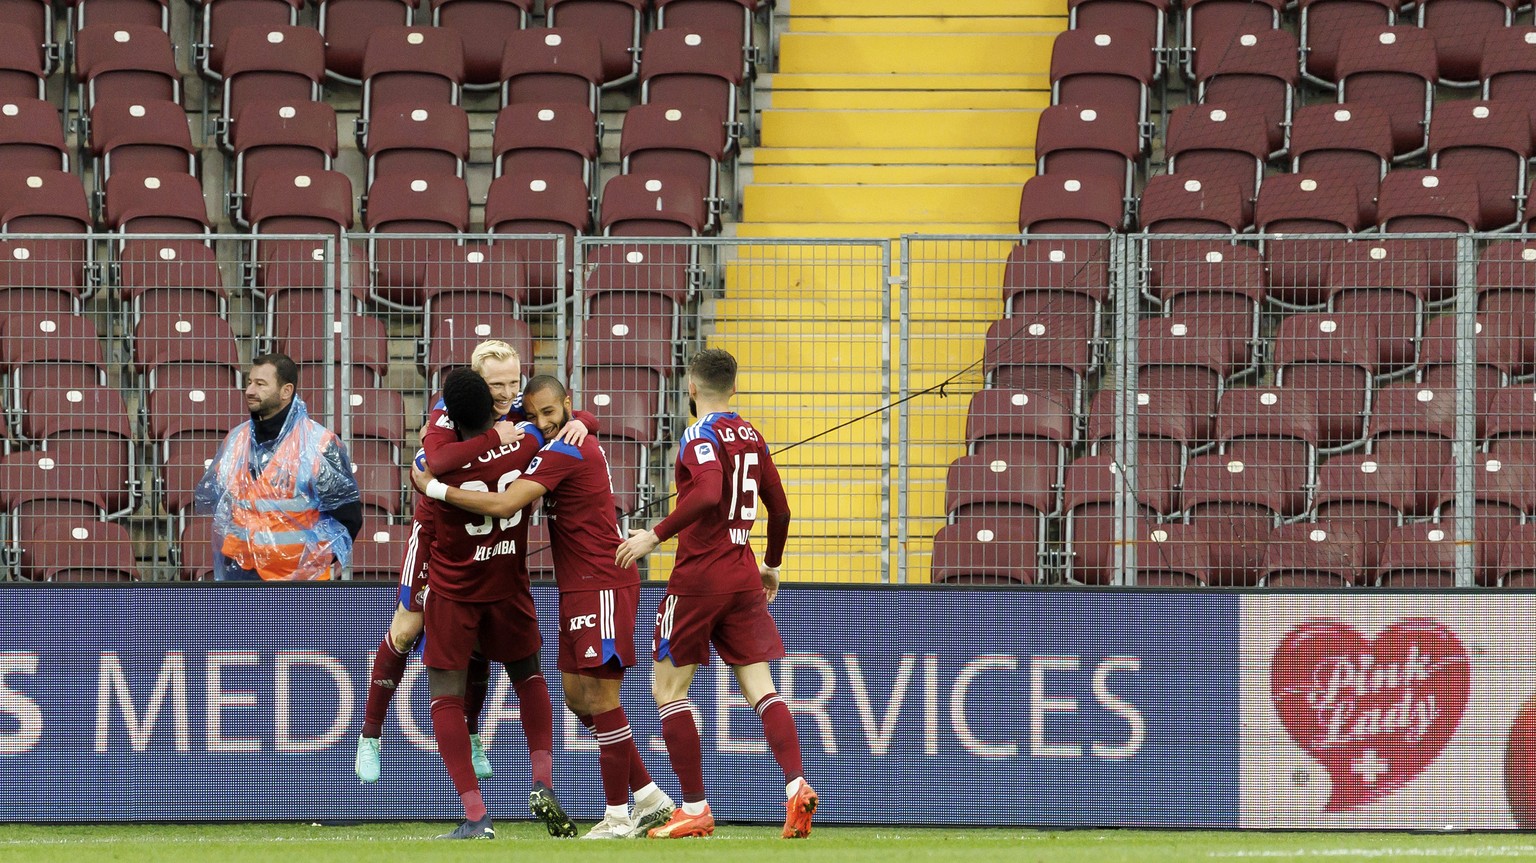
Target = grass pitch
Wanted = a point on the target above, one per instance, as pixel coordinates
(394, 842)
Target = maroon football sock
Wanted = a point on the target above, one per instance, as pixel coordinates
(615, 742)
(475, 685)
(453, 747)
(388, 668)
(682, 737)
(779, 728)
(538, 725)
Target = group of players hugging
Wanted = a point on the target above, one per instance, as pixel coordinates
(490, 451)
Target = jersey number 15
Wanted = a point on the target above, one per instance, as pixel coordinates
(743, 485)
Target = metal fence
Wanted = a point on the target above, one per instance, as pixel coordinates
(1150, 409)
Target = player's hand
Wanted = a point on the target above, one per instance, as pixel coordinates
(420, 476)
(508, 432)
(639, 544)
(574, 433)
(770, 576)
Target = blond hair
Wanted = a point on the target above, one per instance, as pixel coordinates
(492, 349)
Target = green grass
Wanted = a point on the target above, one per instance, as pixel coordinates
(521, 841)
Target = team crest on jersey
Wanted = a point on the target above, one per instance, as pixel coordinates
(704, 451)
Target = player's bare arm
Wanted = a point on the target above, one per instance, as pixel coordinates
(574, 432)
(504, 504)
(639, 544)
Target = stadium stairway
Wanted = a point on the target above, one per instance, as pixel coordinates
(883, 118)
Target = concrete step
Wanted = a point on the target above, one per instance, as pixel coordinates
(988, 53)
(912, 129)
(980, 204)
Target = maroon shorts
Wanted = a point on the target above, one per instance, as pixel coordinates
(737, 624)
(502, 631)
(413, 570)
(597, 631)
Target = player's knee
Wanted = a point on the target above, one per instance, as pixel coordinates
(523, 668)
(404, 629)
(667, 691)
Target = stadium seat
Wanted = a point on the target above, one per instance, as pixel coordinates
(1304, 204)
(1077, 142)
(1108, 70)
(145, 204)
(461, 320)
(1460, 28)
(76, 549)
(1146, 17)
(85, 426)
(217, 19)
(997, 485)
(413, 205)
(409, 67)
(31, 138)
(1323, 24)
(1394, 69)
(1092, 485)
(164, 276)
(187, 424)
(660, 141)
(305, 329)
(1505, 421)
(346, 26)
(1220, 145)
(1214, 280)
(546, 139)
(41, 275)
(24, 60)
(1070, 205)
(1500, 343)
(1218, 23)
(1236, 505)
(551, 67)
(417, 142)
(274, 134)
(522, 203)
(476, 278)
(1334, 358)
(1272, 427)
(615, 23)
(1190, 204)
(379, 548)
(629, 328)
(1310, 555)
(1056, 277)
(682, 68)
(193, 552)
(1508, 68)
(1167, 430)
(1256, 70)
(48, 202)
(986, 551)
(1344, 144)
(1370, 497)
(141, 138)
(1418, 555)
(125, 62)
(1506, 276)
(1491, 142)
(629, 399)
(270, 64)
(999, 416)
(182, 339)
(482, 26)
(1191, 357)
(1413, 425)
(1442, 201)
(1388, 283)
(1511, 560)
(285, 201)
(644, 205)
(1042, 353)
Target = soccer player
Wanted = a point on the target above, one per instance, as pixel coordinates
(598, 598)
(478, 597)
(718, 593)
(446, 448)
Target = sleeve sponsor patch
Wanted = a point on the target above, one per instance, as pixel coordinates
(533, 465)
(704, 451)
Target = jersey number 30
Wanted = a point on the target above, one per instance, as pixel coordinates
(484, 527)
(743, 488)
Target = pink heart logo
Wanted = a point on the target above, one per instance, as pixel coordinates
(1373, 712)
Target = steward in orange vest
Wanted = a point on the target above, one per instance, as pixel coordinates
(281, 491)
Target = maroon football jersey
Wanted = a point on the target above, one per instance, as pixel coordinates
(583, 522)
(714, 554)
(480, 558)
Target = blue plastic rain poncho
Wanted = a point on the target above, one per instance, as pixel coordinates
(270, 500)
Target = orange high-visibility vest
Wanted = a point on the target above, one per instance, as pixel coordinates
(273, 516)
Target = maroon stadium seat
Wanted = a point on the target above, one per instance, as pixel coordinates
(1387, 282)
(482, 26)
(1218, 23)
(1046, 353)
(661, 141)
(1056, 277)
(700, 69)
(276, 134)
(285, 64)
(998, 416)
(1257, 70)
(410, 67)
(1070, 205)
(1108, 70)
(986, 551)
(1236, 505)
(1092, 486)
(219, 18)
(1304, 204)
(410, 204)
(29, 53)
(1460, 28)
(347, 25)
(1075, 141)
(1508, 67)
(644, 205)
(615, 23)
(127, 62)
(417, 142)
(31, 138)
(141, 138)
(630, 401)
(76, 549)
(521, 203)
(1490, 141)
(1271, 426)
(1306, 554)
(1334, 358)
(543, 139)
(1218, 280)
(1394, 69)
(118, 13)
(551, 67)
(156, 276)
(170, 204)
(1221, 145)
(1344, 144)
(1324, 22)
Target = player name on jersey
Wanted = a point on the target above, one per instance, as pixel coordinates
(486, 552)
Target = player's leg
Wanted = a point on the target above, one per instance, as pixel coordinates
(680, 645)
(595, 691)
(747, 640)
(475, 686)
(388, 668)
(455, 630)
(539, 728)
